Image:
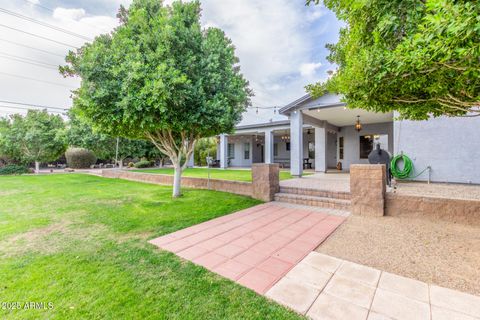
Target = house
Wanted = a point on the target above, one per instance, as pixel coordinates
(321, 133)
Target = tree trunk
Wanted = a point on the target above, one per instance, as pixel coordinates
(120, 164)
(177, 180)
(37, 167)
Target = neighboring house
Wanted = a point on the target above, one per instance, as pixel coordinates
(321, 133)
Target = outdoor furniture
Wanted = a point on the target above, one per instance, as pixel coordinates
(283, 163)
(307, 164)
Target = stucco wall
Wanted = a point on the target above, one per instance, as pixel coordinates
(451, 146)
(352, 141)
(239, 159)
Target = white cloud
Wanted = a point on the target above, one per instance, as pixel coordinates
(279, 43)
(309, 69)
(68, 14)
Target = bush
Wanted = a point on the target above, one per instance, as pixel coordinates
(131, 164)
(13, 169)
(80, 158)
(143, 164)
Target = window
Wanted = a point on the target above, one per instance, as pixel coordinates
(287, 145)
(231, 150)
(366, 146)
(340, 148)
(275, 149)
(246, 150)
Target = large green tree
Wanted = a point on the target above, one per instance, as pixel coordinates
(36, 137)
(81, 134)
(420, 58)
(160, 76)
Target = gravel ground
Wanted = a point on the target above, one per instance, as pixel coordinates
(438, 252)
(442, 190)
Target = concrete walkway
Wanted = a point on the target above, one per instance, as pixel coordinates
(268, 248)
(320, 181)
(324, 287)
(255, 247)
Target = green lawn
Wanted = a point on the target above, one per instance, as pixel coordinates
(223, 174)
(80, 242)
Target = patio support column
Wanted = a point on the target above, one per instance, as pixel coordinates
(269, 146)
(320, 149)
(223, 151)
(296, 143)
(191, 162)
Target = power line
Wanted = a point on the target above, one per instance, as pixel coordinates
(32, 105)
(39, 36)
(53, 11)
(33, 48)
(26, 108)
(20, 16)
(38, 80)
(27, 60)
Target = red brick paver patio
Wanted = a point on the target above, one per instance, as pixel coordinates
(255, 247)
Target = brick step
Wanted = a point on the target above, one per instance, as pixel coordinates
(316, 193)
(324, 202)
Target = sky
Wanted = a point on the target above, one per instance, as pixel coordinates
(280, 44)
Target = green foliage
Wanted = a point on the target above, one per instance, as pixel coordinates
(81, 134)
(160, 77)
(80, 158)
(87, 252)
(420, 58)
(143, 164)
(11, 169)
(37, 136)
(204, 148)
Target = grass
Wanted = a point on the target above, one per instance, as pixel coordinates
(80, 242)
(222, 174)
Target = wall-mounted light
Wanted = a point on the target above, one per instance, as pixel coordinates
(358, 125)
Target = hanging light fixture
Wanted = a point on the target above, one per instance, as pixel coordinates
(358, 125)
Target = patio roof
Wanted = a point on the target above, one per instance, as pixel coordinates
(307, 102)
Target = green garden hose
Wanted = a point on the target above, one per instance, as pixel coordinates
(407, 167)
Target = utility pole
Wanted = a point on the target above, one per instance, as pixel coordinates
(116, 152)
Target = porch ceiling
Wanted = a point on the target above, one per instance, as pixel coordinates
(343, 116)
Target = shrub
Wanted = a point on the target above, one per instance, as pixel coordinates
(80, 158)
(143, 164)
(13, 169)
(131, 164)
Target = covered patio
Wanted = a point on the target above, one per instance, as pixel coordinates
(320, 134)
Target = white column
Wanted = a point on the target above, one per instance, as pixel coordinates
(191, 162)
(269, 146)
(296, 143)
(320, 149)
(223, 151)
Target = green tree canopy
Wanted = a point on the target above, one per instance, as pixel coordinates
(81, 134)
(160, 77)
(36, 137)
(420, 58)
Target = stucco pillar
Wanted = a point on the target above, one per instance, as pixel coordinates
(265, 181)
(191, 162)
(223, 151)
(367, 188)
(268, 146)
(296, 143)
(320, 149)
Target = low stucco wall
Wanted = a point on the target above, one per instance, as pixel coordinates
(237, 187)
(453, 210)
